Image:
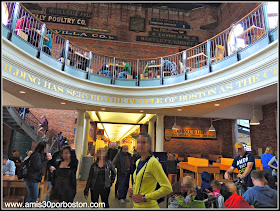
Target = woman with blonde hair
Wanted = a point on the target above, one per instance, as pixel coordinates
(267, 170)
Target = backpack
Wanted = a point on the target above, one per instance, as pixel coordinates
(23, 170)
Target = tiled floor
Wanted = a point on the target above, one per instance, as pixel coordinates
(113, 202)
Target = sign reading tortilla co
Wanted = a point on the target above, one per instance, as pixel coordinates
(189, 133)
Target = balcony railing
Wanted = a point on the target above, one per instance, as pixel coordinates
(196, 61)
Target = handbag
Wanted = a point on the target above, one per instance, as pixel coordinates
(23, 170)
(158, 186)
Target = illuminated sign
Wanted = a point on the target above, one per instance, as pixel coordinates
(189, 133)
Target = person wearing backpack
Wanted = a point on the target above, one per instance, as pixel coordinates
(148, 174)
(36, 163)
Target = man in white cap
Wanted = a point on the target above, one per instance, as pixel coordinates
(245, 163)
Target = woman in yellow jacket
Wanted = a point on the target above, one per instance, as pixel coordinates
(148, 173)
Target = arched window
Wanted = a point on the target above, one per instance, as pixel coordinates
(272, 10)
(240, 42)
(5, 14)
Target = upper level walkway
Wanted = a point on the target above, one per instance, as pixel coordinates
(241, 59)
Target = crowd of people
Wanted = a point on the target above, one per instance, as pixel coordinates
(150, 183)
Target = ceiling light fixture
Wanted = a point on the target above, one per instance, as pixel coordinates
(211, 128)
(63, 103)
(254, 120)
(141, 111)
(103, 109)
(179, 109)
(175, 127)
(217, 104)
(22, 92)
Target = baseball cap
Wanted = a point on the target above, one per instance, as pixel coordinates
(238, 145)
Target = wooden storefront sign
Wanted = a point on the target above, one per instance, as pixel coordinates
(64, 12)
(172, 31)
(190, 133)
(173, 36)
(94, 29)
(166, 41)
(169, 23)
(62, 19)
(85, 35)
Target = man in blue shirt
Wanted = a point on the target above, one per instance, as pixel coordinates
(9, 167)
(260, 196)
(245, 163)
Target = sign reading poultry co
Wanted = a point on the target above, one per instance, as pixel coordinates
(62, 19)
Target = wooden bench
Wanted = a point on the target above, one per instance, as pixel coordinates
(129, 76)
(21, 34)
(142, 76)
(258, 164)
(214, 158)
(172, 178)
(62, 60)
(198, 165)
(180, 158)
(195, 155)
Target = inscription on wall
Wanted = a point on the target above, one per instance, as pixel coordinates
(169, 23)
(64, 12)
(166, 41)
(173, 36)
(19, 75)
(62, 19)
(86, 35)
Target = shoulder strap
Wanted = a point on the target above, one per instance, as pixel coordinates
(143, 174)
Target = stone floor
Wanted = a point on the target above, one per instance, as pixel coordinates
(113, 202)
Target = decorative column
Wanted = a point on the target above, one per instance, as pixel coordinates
(79, 138)
(86, 134)
(159, 133)
(151, 130)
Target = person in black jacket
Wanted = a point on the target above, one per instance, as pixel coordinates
(54, 163)
(101, 177)
(64, 185)
(123, 165)
(112, 152)
(38, 160)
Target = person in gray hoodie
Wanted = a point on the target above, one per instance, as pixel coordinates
(260, 196)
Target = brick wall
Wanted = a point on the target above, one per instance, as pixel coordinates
(116, 17)
(265, 134)
(223, 145)
(59, 120)
(229, 13)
